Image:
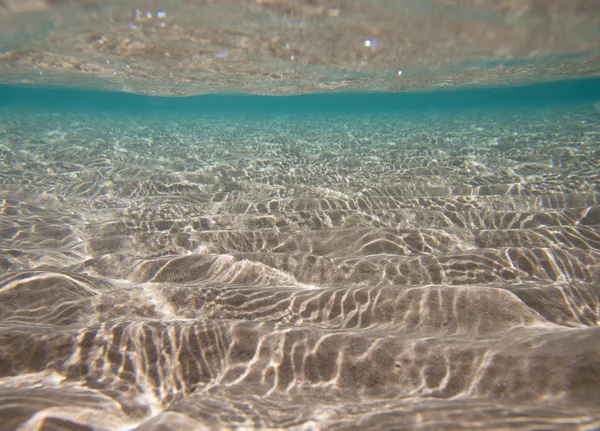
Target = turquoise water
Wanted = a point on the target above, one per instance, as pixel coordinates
(517, 97)
(416, 261)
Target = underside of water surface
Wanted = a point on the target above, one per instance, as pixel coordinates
(403, 257)
(179, 47)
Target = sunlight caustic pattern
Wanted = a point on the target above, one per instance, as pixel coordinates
(303, 273)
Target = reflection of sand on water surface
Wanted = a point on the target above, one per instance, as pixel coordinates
(295, 47)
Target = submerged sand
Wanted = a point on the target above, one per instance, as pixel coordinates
(391, 272)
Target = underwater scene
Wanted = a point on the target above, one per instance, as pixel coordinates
(299, 215)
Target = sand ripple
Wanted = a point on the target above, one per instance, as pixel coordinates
(325, 274)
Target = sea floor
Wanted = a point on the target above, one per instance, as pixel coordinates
(335, 272)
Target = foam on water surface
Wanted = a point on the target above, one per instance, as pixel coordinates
(377, 261)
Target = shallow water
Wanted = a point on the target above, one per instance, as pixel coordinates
(384, 261)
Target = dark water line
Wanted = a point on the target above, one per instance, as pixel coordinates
(582, 91)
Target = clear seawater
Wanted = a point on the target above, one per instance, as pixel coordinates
(373, 261)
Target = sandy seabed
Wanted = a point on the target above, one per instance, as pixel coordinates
(390, 272)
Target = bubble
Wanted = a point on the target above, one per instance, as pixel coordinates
(371, 43)
(161, 14)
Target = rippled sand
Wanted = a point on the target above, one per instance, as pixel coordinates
(427, 272)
